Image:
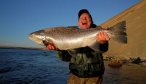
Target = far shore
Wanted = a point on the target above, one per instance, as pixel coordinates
(31, 48)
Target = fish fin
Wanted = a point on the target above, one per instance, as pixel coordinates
(72, 52)
(119, 32)
(95, 46)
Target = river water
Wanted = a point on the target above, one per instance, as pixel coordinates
(22, 66)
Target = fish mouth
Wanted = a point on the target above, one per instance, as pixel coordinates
(31, 36)
(45, 43)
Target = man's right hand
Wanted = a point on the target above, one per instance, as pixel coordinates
(51, 46)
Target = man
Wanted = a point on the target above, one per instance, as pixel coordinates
(86, 65)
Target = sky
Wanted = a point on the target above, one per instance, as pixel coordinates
(18, 18)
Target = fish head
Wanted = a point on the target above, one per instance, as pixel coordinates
(38, 37)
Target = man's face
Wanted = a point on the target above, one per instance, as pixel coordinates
(84, 21)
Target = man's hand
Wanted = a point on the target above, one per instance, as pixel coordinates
(102, 37)
(51, 46)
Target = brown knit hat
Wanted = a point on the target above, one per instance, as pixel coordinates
(83, 11)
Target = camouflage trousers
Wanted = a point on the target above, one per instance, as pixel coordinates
(77, 80)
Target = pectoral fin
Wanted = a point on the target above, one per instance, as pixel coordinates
(95, 46)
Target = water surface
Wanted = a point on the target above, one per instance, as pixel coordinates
(22, 66)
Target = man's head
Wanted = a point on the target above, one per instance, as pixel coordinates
(84, 19)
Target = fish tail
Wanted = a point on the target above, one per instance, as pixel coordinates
(119, 32)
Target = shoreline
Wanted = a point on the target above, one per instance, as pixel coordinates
(31, 48)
